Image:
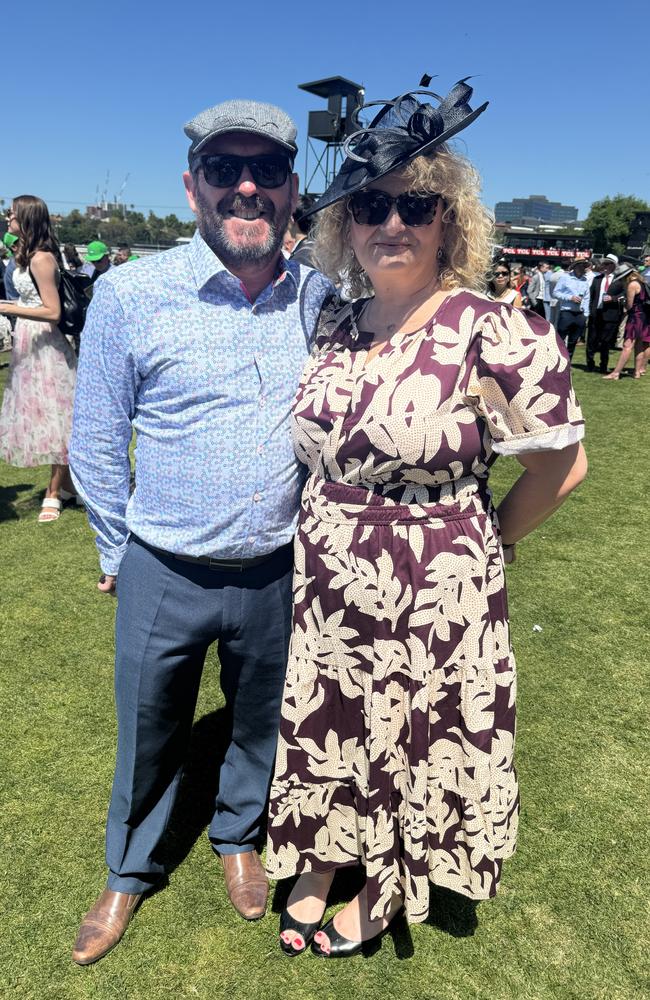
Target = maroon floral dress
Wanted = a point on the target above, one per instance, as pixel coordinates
(396, 740)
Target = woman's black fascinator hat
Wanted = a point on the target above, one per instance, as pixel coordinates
(404, 128)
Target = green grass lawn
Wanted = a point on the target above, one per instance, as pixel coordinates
(570, 921)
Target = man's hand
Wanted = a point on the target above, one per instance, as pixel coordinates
(107, 584)
(576, 298)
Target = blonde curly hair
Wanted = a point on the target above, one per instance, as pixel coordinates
(467, 226)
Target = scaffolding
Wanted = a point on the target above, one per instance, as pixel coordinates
(330, 127)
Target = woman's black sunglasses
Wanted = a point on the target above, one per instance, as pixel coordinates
(371, 208)
(223, 170)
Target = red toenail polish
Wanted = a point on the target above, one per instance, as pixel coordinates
(298, 941)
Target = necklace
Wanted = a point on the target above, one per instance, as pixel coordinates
(388, 327)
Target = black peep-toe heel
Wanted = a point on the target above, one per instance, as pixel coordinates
(306, 931)
(341, 947)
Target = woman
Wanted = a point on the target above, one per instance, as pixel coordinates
(637, 328)
(395, 745)
(72, 259)
(500, 286)
(37, 406)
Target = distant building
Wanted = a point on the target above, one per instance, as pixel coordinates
(105, 211)
(535, 208)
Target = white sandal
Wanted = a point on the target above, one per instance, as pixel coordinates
(65, 496)
(50, 510)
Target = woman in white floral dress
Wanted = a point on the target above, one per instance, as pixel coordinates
(36, 416)
(396, 741)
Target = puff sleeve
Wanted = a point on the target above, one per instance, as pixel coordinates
(522, 384)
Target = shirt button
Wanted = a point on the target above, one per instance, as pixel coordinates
(257, 497)
(251, 539)
(262, 402)
(260, 449)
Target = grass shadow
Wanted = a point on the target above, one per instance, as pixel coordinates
(9, 495)
(452, 913)
(194, 807)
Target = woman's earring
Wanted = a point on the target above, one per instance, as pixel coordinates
(440, 255)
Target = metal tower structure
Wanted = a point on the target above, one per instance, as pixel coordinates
(330, 127)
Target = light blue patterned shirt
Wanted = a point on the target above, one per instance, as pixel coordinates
(174, 349)
(569, 285)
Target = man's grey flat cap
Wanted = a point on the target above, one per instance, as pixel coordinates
(241, 116)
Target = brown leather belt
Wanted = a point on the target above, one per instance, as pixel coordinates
(227, 565)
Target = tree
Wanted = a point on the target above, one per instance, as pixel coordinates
(608, 222)
(130, 227)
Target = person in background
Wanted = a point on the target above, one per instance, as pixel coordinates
(637, 327)
(551, 279)
(123, 255)
(5, 324)
(303, 246)
(519, 281)
(36, 414)
(536, 286)
(590, 271)
(9, 240)
(500, 285)
(98, 259)
(572, 294)
(72, 259)
(606, 301)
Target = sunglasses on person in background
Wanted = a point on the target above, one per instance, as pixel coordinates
(501, 274)
(371, 208)
(223, 170)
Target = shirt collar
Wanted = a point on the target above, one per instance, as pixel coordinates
(206, 265)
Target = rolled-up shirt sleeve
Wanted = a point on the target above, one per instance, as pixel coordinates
(107, 385)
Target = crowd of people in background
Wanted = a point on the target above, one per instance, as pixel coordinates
(600, 302)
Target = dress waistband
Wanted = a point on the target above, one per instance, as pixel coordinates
(341, 502)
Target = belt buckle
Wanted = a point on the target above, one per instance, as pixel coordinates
(225, 564)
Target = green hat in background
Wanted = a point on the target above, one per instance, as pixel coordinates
(134, 256)
(9, 239)
(96, 250)
(557, 268)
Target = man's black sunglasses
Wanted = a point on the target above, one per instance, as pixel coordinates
(371, 208)
(223, 170)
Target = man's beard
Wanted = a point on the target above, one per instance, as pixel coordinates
(248, 249)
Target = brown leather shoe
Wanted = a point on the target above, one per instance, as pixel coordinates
(247, 884)
(104, 925)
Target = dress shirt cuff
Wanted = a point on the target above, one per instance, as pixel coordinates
(110, 558)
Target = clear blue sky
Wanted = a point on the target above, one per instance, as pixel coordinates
(101, 85)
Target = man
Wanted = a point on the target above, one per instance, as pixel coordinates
(303, 245)
(590, 271)
(536, 288)
(122, 255)
(551, 279)
(98, 259)
(605, 310)
(572, 294)
(200, 349)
